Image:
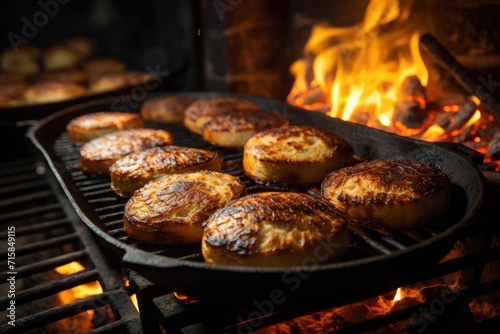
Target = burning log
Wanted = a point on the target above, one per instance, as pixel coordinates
(410, 114)
(460, 74)
(410, 108)
(412, 90)
(494, 146)
(461, 117)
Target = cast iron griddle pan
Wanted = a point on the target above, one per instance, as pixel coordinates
(378, 260)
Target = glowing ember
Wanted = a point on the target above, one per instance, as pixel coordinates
(78, 292)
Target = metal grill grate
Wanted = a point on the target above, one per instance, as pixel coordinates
(48, 234)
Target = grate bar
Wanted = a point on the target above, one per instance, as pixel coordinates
(31, 212)
(32, 196)
(48, 264)
(40, 227)
(52, 287)
(46, 244)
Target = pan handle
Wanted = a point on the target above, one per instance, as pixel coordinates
(464, 151)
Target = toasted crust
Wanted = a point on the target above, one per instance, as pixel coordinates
(275, 229)
(399, 194)
(58, 57)
(53, 91)
(23, 61)
(234, 128)
(136, 169)
(171, 209)
(166, 109)
(102, 82)
(72, 76)
(87, 127)
(104, 65)
(202, 111)
(97, 155)
(295, 155)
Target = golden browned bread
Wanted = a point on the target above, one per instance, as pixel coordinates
(11, 92)
(112, 81)
(104, 65)
(48, 92)
(399, 194)
(166, 109)
(87, 127)
(23, 61)
(234, 128)
(202, 111)
(59, 57)
(171, 209)
(74, 76)
(98, 154)
(294, 155)
(136, 169)
(83, 45)
(275, 229)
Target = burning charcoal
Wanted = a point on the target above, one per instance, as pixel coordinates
(443, 119)
(410, 114)
(494, 146)
(461, 117)
(411, 90)
(446, 100)
(314, 94)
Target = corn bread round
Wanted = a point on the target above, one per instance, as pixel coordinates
(136, 169)
(398, 194)
(58, 57)
(234, 128)
(166, 109)
(170, 210)
(97, 155)
(202, 111)
(87, 127)
(275, 229)
(48, 92)
(294, 155)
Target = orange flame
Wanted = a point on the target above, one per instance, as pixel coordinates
(361, 73)
(78, 292)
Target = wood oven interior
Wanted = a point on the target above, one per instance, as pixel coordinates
(246, 47)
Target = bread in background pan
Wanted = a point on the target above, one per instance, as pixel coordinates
(166, 109)
(87, 127)
(23, 60)
(275, 229)
(136, 169)
(171, 209)
(49, 92)
(97, 155)
(294, 155)
(234, 128)
(202, 111)
(59, 57)
(398, 194)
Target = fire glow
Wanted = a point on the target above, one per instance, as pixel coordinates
(78, 292)
(373, 73)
